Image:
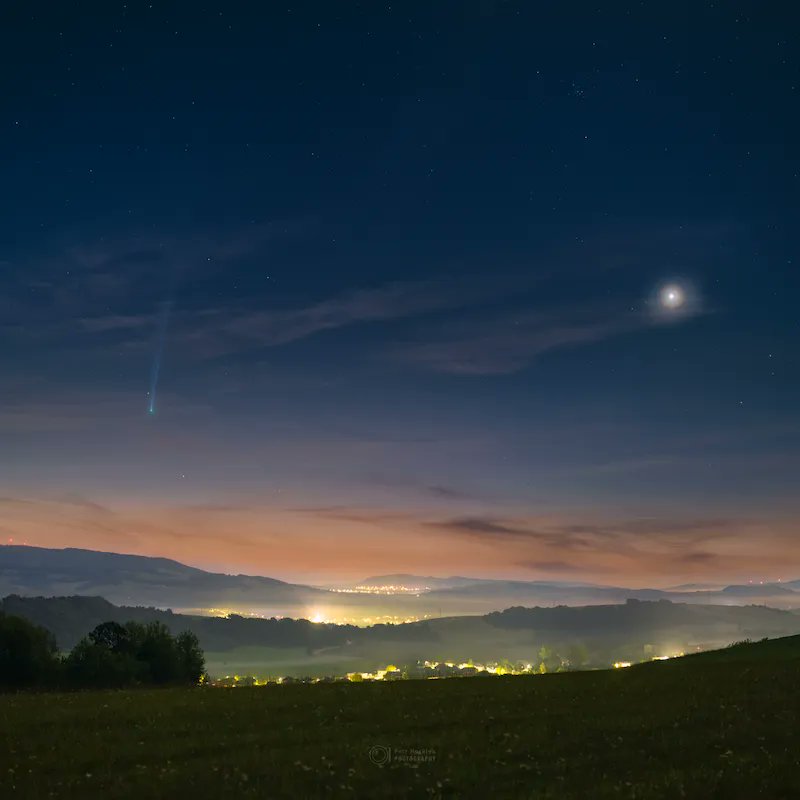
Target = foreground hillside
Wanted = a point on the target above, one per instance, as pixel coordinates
(710, 726)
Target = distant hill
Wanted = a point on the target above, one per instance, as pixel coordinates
(141, 580)
(133, 580)
(759, 590)
(71, 618)
(417, 581)
(505, 593)
(633, 631)
(459, 581)
(695, 587)
(635, 616)
(474, 592)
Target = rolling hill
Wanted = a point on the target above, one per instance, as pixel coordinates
(134, 580)
(587, 636)
(142, 580)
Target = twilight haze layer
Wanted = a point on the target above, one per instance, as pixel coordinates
(478, 287)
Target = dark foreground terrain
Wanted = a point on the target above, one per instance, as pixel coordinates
(717, 725)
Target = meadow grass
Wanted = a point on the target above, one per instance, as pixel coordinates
(721, 726)
(273, 662)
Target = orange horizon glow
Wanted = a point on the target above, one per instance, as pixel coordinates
(328, 545)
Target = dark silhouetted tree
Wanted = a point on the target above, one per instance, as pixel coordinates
(92, 665)
(28, 654)
(115, 655)
(159, 653)
(113, 636)
(190, 657)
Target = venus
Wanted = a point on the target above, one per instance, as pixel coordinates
(672, 297)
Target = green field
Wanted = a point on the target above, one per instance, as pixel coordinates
(716, 725)
(273, 662)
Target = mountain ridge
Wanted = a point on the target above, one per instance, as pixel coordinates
(145, 580)
(130, 579)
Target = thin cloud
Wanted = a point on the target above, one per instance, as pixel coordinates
(556, 567)
(116, 322)
(628, 538)
(420, 486)
(213, 332)
(512, 343)
(363, 516)
(448, 493)
(105, 275)
(59, 290)
(481, 527)
(699, 557)
(227, 330)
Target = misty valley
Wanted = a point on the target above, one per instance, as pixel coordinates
(548, 635)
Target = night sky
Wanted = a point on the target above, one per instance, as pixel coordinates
(324, 290)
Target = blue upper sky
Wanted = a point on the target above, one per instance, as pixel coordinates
(403, 260)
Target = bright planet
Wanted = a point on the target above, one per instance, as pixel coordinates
(672, 297)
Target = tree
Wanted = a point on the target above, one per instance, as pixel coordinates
(92, 665)
(115, 655)
(577, 655)
(550, 659)
(158, 652)
(190, 657)
(28, 654)
(111, 656)
(113, 636)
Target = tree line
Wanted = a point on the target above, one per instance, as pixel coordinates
(112, 656)
(70, 617)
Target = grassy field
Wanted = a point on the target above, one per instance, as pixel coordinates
(721, 725)
(273, 662)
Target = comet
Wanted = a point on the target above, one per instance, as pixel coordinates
(161, 337)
